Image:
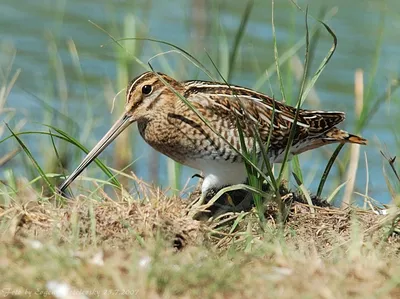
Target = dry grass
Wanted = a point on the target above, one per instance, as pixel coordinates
(152, 249)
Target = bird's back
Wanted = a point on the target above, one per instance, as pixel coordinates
(227, 106)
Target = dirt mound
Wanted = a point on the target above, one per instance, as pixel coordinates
(119, 223)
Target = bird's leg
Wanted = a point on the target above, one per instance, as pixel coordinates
(196, 193)
(197, 199)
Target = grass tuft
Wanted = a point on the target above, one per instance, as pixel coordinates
(151, 247)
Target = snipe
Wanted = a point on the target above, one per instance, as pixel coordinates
(171, 127)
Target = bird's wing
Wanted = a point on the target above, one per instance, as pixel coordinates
(258, 108)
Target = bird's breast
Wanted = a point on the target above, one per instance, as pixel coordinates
(176, 142)
(186, 141)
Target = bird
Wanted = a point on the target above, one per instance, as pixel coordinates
(196, 123)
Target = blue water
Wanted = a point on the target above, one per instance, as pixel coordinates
(40, 31)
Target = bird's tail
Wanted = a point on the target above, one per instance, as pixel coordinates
(337, 135)
(334, 135)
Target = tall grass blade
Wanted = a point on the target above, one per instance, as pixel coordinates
(366, 176)
(53, 111)
(299, 102)
(75, 142)
(297, 169)
(333, 194)
(33, 160)
(64, 136)
(289, 53)
(117, 41)
(223, 53)
(323, 63)
(185, 54)
(392, 161)
(33, 132)
(326, 59)
(276, 55)
(253, 179)
(328, 169)
(59, 160)
(305, 192)
(264, 154)
(238, 36)
(217, 70)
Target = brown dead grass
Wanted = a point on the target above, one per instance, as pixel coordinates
(116, 224)
(152, 248)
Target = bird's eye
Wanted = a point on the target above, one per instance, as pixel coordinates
(146, 89)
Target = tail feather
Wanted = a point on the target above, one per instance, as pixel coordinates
(337, 135)
(357, 139)
(334, 135)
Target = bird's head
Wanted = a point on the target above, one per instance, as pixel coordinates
(144, 95)
(148, 92)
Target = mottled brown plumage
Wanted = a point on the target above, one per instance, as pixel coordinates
(171, 127)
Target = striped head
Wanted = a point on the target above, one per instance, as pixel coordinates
(147, 92)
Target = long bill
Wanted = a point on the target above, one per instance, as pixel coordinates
(119, 126)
